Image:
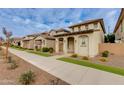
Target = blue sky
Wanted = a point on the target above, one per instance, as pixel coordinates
(23, 21)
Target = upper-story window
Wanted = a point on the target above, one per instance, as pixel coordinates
(76, 29)
(95, 25)
(86, 27)
(73, 29)
(79, 28)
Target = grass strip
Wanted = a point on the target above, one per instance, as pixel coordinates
(116, 70)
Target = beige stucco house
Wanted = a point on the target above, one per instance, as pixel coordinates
(47, 39)
(28, 41)
(16, 41)
(119, 28)
(82, 38)
(44, 41)
(38, 41)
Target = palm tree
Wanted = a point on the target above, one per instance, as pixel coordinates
(7, 35)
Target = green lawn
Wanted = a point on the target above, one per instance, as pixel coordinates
(32, 51)
(18, 48)
(39, 53)
(111, 69)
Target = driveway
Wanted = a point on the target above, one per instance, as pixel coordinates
(71, 73)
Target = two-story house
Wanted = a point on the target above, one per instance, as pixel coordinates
(82, 39)
(119, 28)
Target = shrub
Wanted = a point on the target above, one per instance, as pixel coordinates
(12, 65)
(27, 78)
(9, 59)
(45, 49)
(74, 55)
(37, 49)
(103, 59)
(109, 38)
(51, 50)
(105, 54)
(15, 46)
(85, 58)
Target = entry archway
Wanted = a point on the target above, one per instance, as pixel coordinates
(70, 44)
(61, 45)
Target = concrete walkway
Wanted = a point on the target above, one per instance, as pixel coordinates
(71, 73)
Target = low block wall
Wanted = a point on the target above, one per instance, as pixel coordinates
(115, 48)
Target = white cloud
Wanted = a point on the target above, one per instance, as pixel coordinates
(111, 13)
(24, 21)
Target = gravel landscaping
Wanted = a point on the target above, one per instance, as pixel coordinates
(113, 60)
(11, 77)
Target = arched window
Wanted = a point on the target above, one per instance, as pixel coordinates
(83, 41)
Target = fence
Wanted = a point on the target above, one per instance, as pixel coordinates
(115, 48)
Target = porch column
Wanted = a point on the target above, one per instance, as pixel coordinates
(76, 44)
(65, 45)
(22, 43)
(57, 45)
(34, 45)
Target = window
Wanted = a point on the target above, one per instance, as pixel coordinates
(86, 27)
(79, 28)
(76, 29)
(73, 29)
(96, 25)
(83, 43)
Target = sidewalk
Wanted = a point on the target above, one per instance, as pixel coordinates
(71, 73)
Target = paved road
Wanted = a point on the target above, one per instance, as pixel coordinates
(71, 73)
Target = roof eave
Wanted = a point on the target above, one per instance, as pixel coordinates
(75, 33)
(119, 20)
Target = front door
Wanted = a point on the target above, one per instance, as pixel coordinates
(71, 45)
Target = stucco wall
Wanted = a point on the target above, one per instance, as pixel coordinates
(120, 31)
(116, 48)
(83, 45)
(82, 27)
(50, 43)
(92, 44)
(92, 41)
(31, 44)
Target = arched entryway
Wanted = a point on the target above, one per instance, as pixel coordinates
(70, 44)
(38, 44)
(19, 43)
(61, 45)
(83, 45)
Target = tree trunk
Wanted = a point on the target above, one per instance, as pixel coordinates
(6, 53)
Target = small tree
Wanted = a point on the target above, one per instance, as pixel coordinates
(109, 38)
(7, 35)
(1, 39)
